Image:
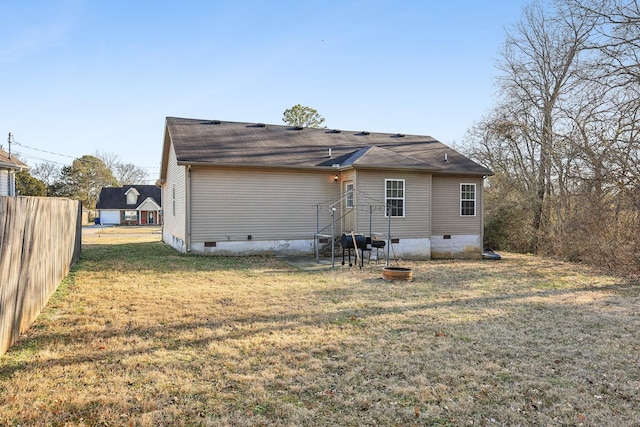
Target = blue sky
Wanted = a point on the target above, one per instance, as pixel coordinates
(84, 76)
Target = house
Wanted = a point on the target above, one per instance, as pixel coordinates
(130, 205)
(9, 165)
(252, 188)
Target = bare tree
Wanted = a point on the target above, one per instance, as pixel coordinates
(499, 143)
(130, 174)
(47, 172)
(125, 173)
(564, 141)
(110, 160)
(617, 35)
(539, 67)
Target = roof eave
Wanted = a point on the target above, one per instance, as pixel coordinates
(14, 166)
(255, 166)
(396, 167)
(466, 173)
(164, 162)
(426, 169)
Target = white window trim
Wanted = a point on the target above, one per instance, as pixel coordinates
(403, 198)
(474, 200)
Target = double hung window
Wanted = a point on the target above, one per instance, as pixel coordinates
(467, 199)
(394, 197)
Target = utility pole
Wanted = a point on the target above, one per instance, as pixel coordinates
(9, 142)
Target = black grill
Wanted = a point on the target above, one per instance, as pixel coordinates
(346, 241)
(355, 242)
(378, 244)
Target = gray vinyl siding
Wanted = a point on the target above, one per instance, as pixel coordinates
(268, 204)
(446, 207)
(174, 223)
(416, 222)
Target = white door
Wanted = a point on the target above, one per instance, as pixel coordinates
(348, 208)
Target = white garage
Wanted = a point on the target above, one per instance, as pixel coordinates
(109, 217)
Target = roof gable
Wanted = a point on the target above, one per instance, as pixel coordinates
(383, 158)
(148, 204)
(376, 157)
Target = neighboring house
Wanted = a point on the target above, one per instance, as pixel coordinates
(9, 165)
(241, 188)
(130, 205)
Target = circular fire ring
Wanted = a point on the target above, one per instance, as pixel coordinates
(397, 273)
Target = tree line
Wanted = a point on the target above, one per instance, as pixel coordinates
(563, 137)
(81, 180)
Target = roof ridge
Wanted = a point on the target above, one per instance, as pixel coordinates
(395, 135)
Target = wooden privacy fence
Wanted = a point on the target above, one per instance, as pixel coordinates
(40, 239)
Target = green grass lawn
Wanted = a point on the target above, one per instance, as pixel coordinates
(141, 335)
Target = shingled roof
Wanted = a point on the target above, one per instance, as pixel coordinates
(221, 143)
(11, 162)
(115, 197)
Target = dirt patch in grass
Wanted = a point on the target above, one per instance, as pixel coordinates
(141, 335)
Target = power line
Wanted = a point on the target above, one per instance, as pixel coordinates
(28, 156)
(13, 141)
(38, 149)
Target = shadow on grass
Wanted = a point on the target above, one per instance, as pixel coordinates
(159, 257)
(165, 337)
(375, 292)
